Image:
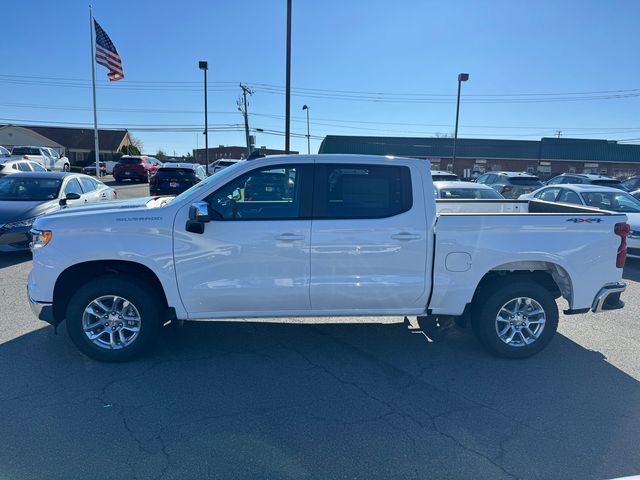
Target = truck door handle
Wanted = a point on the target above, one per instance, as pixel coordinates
(405, 236)
(289, 237)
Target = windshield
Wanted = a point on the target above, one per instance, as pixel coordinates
(613, 201)
(29, 189)
(469, 193)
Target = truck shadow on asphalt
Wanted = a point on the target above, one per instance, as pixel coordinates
(293, 401)
(9, 259)
(632, 270)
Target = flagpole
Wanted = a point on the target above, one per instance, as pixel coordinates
(93, 81)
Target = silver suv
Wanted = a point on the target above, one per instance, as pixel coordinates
(511, 184)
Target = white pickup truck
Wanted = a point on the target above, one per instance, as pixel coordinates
(313, 236)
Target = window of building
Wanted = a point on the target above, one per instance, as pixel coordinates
(603, 171)
(572, 169)
(531, 170)
(544, 169)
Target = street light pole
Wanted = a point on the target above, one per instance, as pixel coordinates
(462, 77)
(306, 107)
(204, 66)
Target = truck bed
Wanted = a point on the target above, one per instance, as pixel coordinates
(510, 206)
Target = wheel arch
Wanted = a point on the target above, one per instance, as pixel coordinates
(74, 276)
(550, 275)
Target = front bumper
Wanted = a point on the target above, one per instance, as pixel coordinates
(608, 298)
(15, 239)
(42, 310)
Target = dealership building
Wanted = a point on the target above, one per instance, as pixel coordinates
(545, 157)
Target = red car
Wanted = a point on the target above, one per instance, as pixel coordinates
(135, 167)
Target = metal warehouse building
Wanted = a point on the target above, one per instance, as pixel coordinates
(545, 157)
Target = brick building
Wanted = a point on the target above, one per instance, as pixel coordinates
(220, 152)
(545, 157)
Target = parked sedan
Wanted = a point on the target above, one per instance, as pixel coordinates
(25, 196)
(175, 178)
(594, 196)
(465, 191)
(222, 164)
(16, 166)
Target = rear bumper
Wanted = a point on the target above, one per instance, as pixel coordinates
(42, 310)
(608, 298)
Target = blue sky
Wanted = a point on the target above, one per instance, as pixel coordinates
(365, 67)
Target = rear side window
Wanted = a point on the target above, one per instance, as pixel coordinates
(129, 161)
(24, 167)
(361, 191)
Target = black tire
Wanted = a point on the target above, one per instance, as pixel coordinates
(147, 304)
(117, 179)
(483, 317)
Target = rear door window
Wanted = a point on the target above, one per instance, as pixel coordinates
(88, 184)
(548, 194)
(361, 191)
(569, 196)
(36, 167)
(24, 167)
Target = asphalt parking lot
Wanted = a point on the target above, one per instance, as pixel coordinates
(291, 401)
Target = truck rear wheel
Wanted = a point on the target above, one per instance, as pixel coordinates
(113, 318)
(518, 319)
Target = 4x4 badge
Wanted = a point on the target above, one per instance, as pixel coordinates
(584, 220)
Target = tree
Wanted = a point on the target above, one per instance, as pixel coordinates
(160, 155)
(136, 142)
(130, 150)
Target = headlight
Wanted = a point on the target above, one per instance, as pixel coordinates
(39, 238)
(21, 223)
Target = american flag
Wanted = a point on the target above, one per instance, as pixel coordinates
(107, 55)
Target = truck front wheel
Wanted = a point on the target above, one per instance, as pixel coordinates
(113, 318)
(518, 319)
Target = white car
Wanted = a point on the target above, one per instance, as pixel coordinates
(45, 156)
(464, 191)
(308, 236)
(222, 164)
(596, 196)
(16, 166)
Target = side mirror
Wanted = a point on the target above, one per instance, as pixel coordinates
(69, 196)
(199, 212)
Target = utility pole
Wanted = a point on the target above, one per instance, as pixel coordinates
(287, 102)
(244, 108)
(558, 133)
